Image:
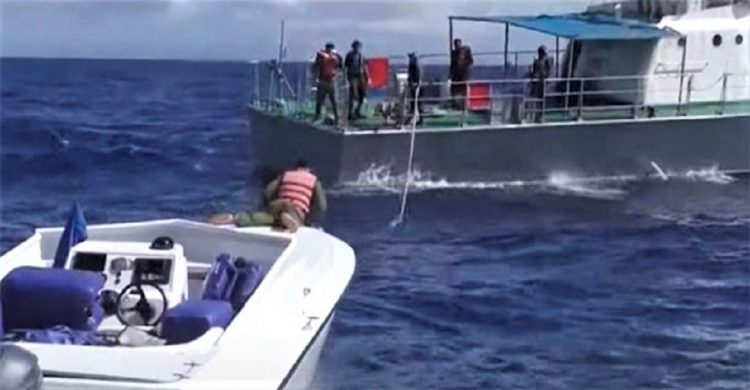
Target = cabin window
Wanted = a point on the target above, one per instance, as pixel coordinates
(738, 39)
(717, 40)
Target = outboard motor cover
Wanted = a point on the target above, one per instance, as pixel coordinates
(19, 369)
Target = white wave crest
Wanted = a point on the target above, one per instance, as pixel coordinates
(568, 184)
(709, 175)
(380, 179)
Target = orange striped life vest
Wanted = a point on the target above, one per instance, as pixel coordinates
(297, 187)
(328, 63)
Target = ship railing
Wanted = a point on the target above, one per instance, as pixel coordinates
(518, 101)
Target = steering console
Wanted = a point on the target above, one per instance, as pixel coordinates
(134, 308)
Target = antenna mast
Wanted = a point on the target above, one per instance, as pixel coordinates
(277, 66)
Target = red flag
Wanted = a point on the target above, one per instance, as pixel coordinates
(378, 69)
(478, 96)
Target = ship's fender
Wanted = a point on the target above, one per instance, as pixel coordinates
(19, 369)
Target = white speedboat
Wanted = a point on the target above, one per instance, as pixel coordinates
(174, 304)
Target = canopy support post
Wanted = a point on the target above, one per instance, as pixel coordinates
(557, 57)
(682, 75)
(571, 44)
(505, 64)
(450, 33)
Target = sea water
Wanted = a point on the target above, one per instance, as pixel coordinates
(563, 283)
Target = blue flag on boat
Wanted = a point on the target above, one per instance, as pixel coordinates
(75, 232)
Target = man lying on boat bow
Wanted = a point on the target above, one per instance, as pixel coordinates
(294, 198)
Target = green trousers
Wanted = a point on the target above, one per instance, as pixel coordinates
(269, 217)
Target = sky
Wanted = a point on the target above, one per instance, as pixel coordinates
(249, 29)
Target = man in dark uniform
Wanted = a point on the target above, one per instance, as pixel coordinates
(461, 62)
(540, 71)
(356, 75)
(414, 78)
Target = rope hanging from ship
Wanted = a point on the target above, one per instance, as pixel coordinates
(407, 181)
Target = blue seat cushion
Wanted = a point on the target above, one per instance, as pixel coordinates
(191, 319)
(220, 281)
(40, 298)
(249, 276)
(60, 334)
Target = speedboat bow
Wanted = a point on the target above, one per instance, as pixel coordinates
(173, 304)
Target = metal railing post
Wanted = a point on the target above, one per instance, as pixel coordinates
(689, 95)
(723, 92)
(544, 99)
(269, 89)
(636, 98)
(465, 103)
(342, 101)
(580, 100)
(256, 82)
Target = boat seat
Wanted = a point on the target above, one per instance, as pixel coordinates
(191, 319)
(42, 298)
(232, 281)
(220, 280)
(249, 276)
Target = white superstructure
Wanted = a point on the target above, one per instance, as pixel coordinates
(709, 61)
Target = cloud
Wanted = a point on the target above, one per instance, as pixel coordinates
(209, 29)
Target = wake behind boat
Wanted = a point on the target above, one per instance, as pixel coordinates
(173, 304)
(634, 85)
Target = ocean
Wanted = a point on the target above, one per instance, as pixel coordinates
(622, 284)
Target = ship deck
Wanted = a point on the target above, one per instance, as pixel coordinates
(453, 119)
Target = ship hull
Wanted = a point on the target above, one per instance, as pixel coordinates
(511, 153)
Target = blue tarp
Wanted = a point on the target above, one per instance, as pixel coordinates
(581, 26)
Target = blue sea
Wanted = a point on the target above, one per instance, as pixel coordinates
(618, 285)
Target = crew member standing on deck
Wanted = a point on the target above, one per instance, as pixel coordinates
(356, 75)
(540, 71)
(461, 62)
(414, 77)
(294, 198)
(327, 63)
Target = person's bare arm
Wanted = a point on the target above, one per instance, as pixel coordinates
(320, 202)
(269, 193)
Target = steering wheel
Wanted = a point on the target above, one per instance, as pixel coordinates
(143, 308)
